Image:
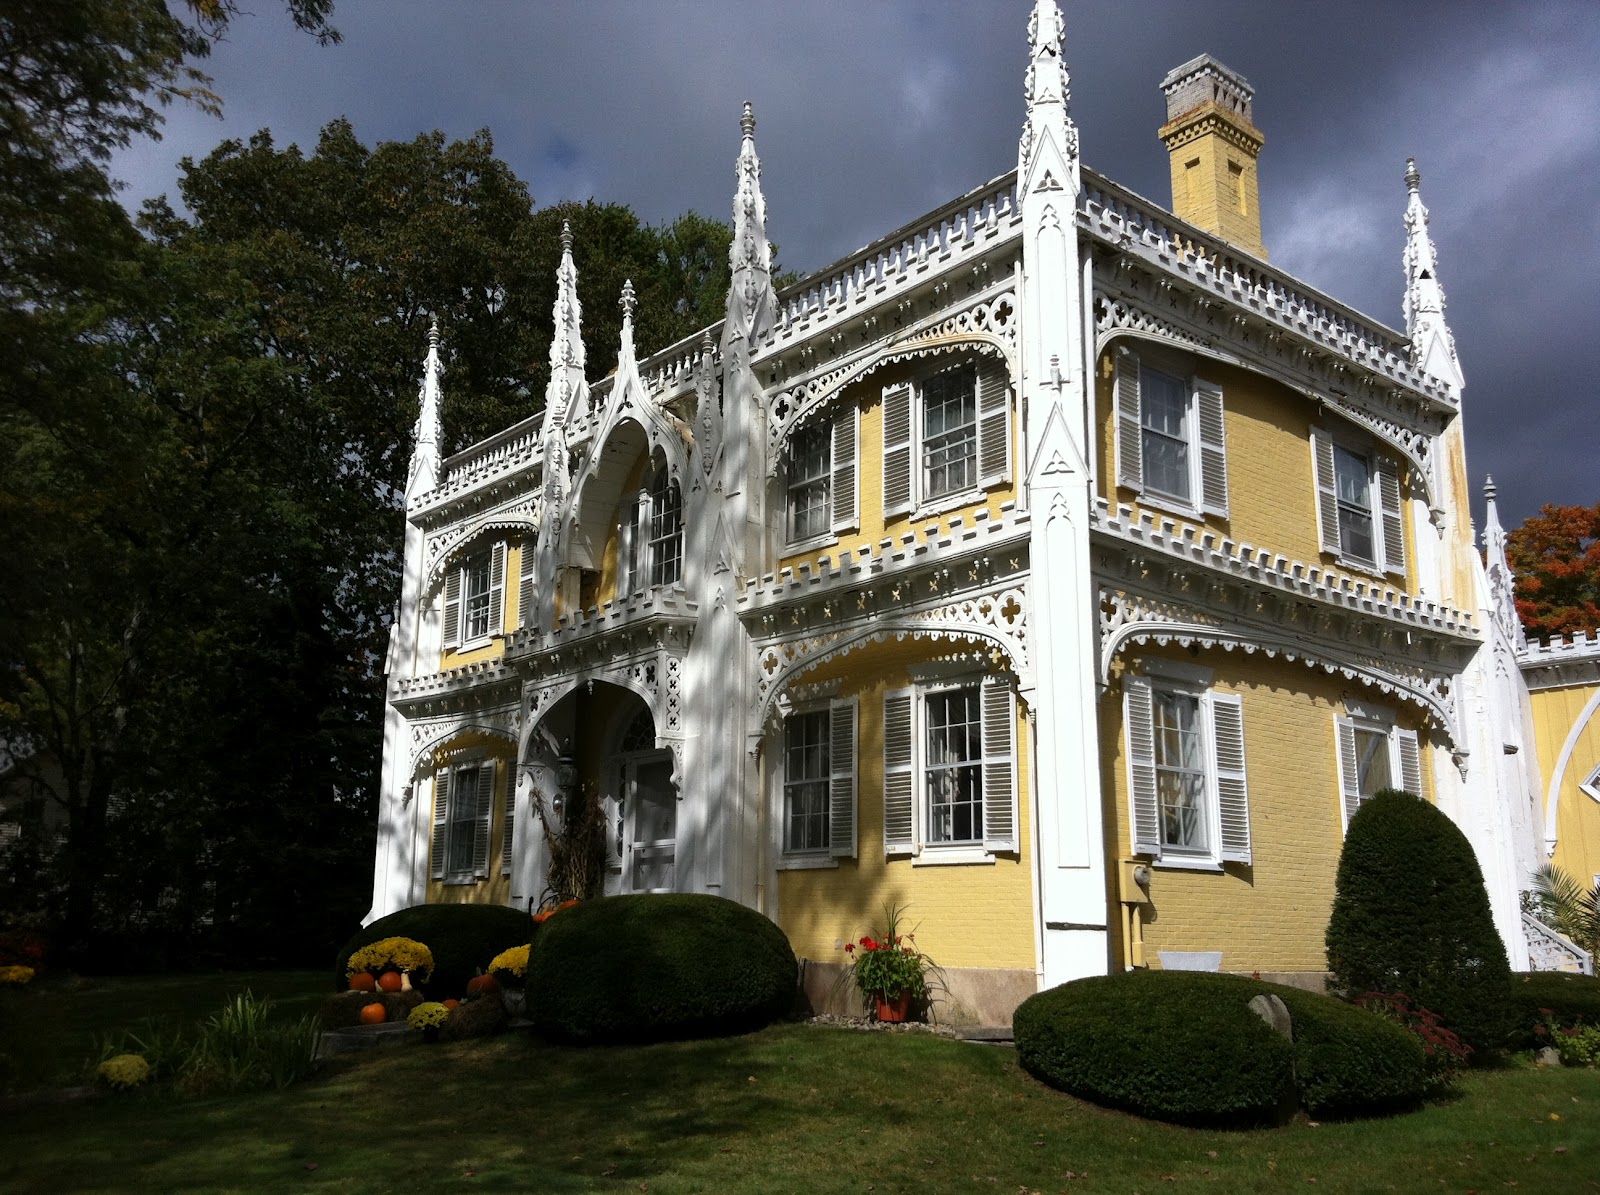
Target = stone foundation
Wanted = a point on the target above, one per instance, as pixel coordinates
(971, 995)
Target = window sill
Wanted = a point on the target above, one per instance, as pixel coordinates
(933, 507)
(1179, 863)
(1170, 506)
(953, 857)
(813, 544)
(807, 863)
(459, 881)
(1368, 568)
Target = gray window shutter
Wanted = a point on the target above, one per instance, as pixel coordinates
(441, 822)
(899, 781)
(1394, 540)
(994, 422)
(1213, 449)
(1327, 490)
(1410, 761)
(1349, 771)
(508, 824)
(480, 828)
(497, 588)
(530, 556)
(999, 766)
(842, 779)
(451, 630)
(1130, 430)
(842, 487)
(897, 449)
(1140, 720)
(1233, 799)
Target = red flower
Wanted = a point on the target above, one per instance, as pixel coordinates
(849, 947)
(897, 941)
(1549, 1012)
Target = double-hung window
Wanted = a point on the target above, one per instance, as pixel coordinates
(1186, 770)
(1359, 509)
(650, 534)
(950, 769)
(463, 803)
(1171, 436)
(1374, 754)
(820, 477)
(819, 782)
(946, 435)
(666, 530)
(474, 598)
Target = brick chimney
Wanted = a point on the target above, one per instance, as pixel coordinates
(1214, 144)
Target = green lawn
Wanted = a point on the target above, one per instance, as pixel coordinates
(793, 1108)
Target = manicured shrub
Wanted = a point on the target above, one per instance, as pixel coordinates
(651, 967)
(1571, 999)
(461, 938)
(1349, 1061)
(1174, 1045)
(1411, 915)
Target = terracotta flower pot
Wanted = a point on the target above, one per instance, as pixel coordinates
(893, 1012)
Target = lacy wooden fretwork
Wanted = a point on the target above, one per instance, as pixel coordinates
(655, 677)
(1549, 950)
(1286, 632)
(430, 734)
(1137, 302)
(987, 325)
(519, 515)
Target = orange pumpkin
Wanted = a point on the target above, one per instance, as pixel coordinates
(363, 982)
(374, 1014)
(452, 1003)
(482, 985)
(389, 981)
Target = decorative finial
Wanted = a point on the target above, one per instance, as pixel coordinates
(1413, 176)
(566, 236)
(433, 332)
(747, 122)
(1490, 490)
(627, 300)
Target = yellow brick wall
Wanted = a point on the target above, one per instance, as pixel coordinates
(1206, 196)
(495, 890)
(868, 395)
(1272, 914)
(1555, 713)
(1272, 487)
(978, 915)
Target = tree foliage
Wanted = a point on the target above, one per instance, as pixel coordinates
(1555, 555)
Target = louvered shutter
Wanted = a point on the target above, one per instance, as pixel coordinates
(441, 822)
(1349, 770)
(1140, 720)
(530, 556)
(999, 766)
(497, 588)
(1233, 799)
(480, 826)
(842, 486)
(1394, 540)
(1410, 771)
(1130, 430)
(842, 779)
(451, 630)
(1327, 490)
(899, 781)
(1213, 449)
(994, 423)
(508, 825)
(897, 449)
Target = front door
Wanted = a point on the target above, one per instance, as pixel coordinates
(649, 823)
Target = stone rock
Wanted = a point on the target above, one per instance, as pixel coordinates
(1549, 1056)
(1274, 1012)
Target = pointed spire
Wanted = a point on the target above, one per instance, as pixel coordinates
(424, 471)
(567, 387)
(1433, 348)
(627, 302)
(1502, 581)
(1049, 93)
(752, 302)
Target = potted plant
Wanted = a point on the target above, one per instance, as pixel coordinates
(510, 971)
(889, 971)
(393, 963)
(429, 1018)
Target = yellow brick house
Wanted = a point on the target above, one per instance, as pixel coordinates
(1054, 567)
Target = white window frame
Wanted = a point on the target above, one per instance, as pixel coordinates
(454, 620)
(1405, 753)
(1220, 722)
(1383, 491)
(840, 774)
(1592, 784)
(840, 478)
(1204, 434)
(640, 561)
(907, 804)
(904, 443)
(448, 822)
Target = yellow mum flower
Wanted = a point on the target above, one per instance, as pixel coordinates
(16, 974)
(398, 954)
(511, 962)
(124, 1071)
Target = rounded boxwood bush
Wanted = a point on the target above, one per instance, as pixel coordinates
(1173, 1045)
(1411, 915)
(462, 938)
(1348, 1061)
(654, 966)
(1571, 999)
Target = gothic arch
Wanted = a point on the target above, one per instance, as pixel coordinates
(449, 550)
(426, 741)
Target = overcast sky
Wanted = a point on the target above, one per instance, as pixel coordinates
(873, 111)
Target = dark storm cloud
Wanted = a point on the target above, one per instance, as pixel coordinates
(873, 113)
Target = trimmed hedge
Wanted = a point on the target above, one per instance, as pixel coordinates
(462, 938)
(1411, 915)
(1185, 1046)
(650, 967)
(1574, 999)
(1173, 1045)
